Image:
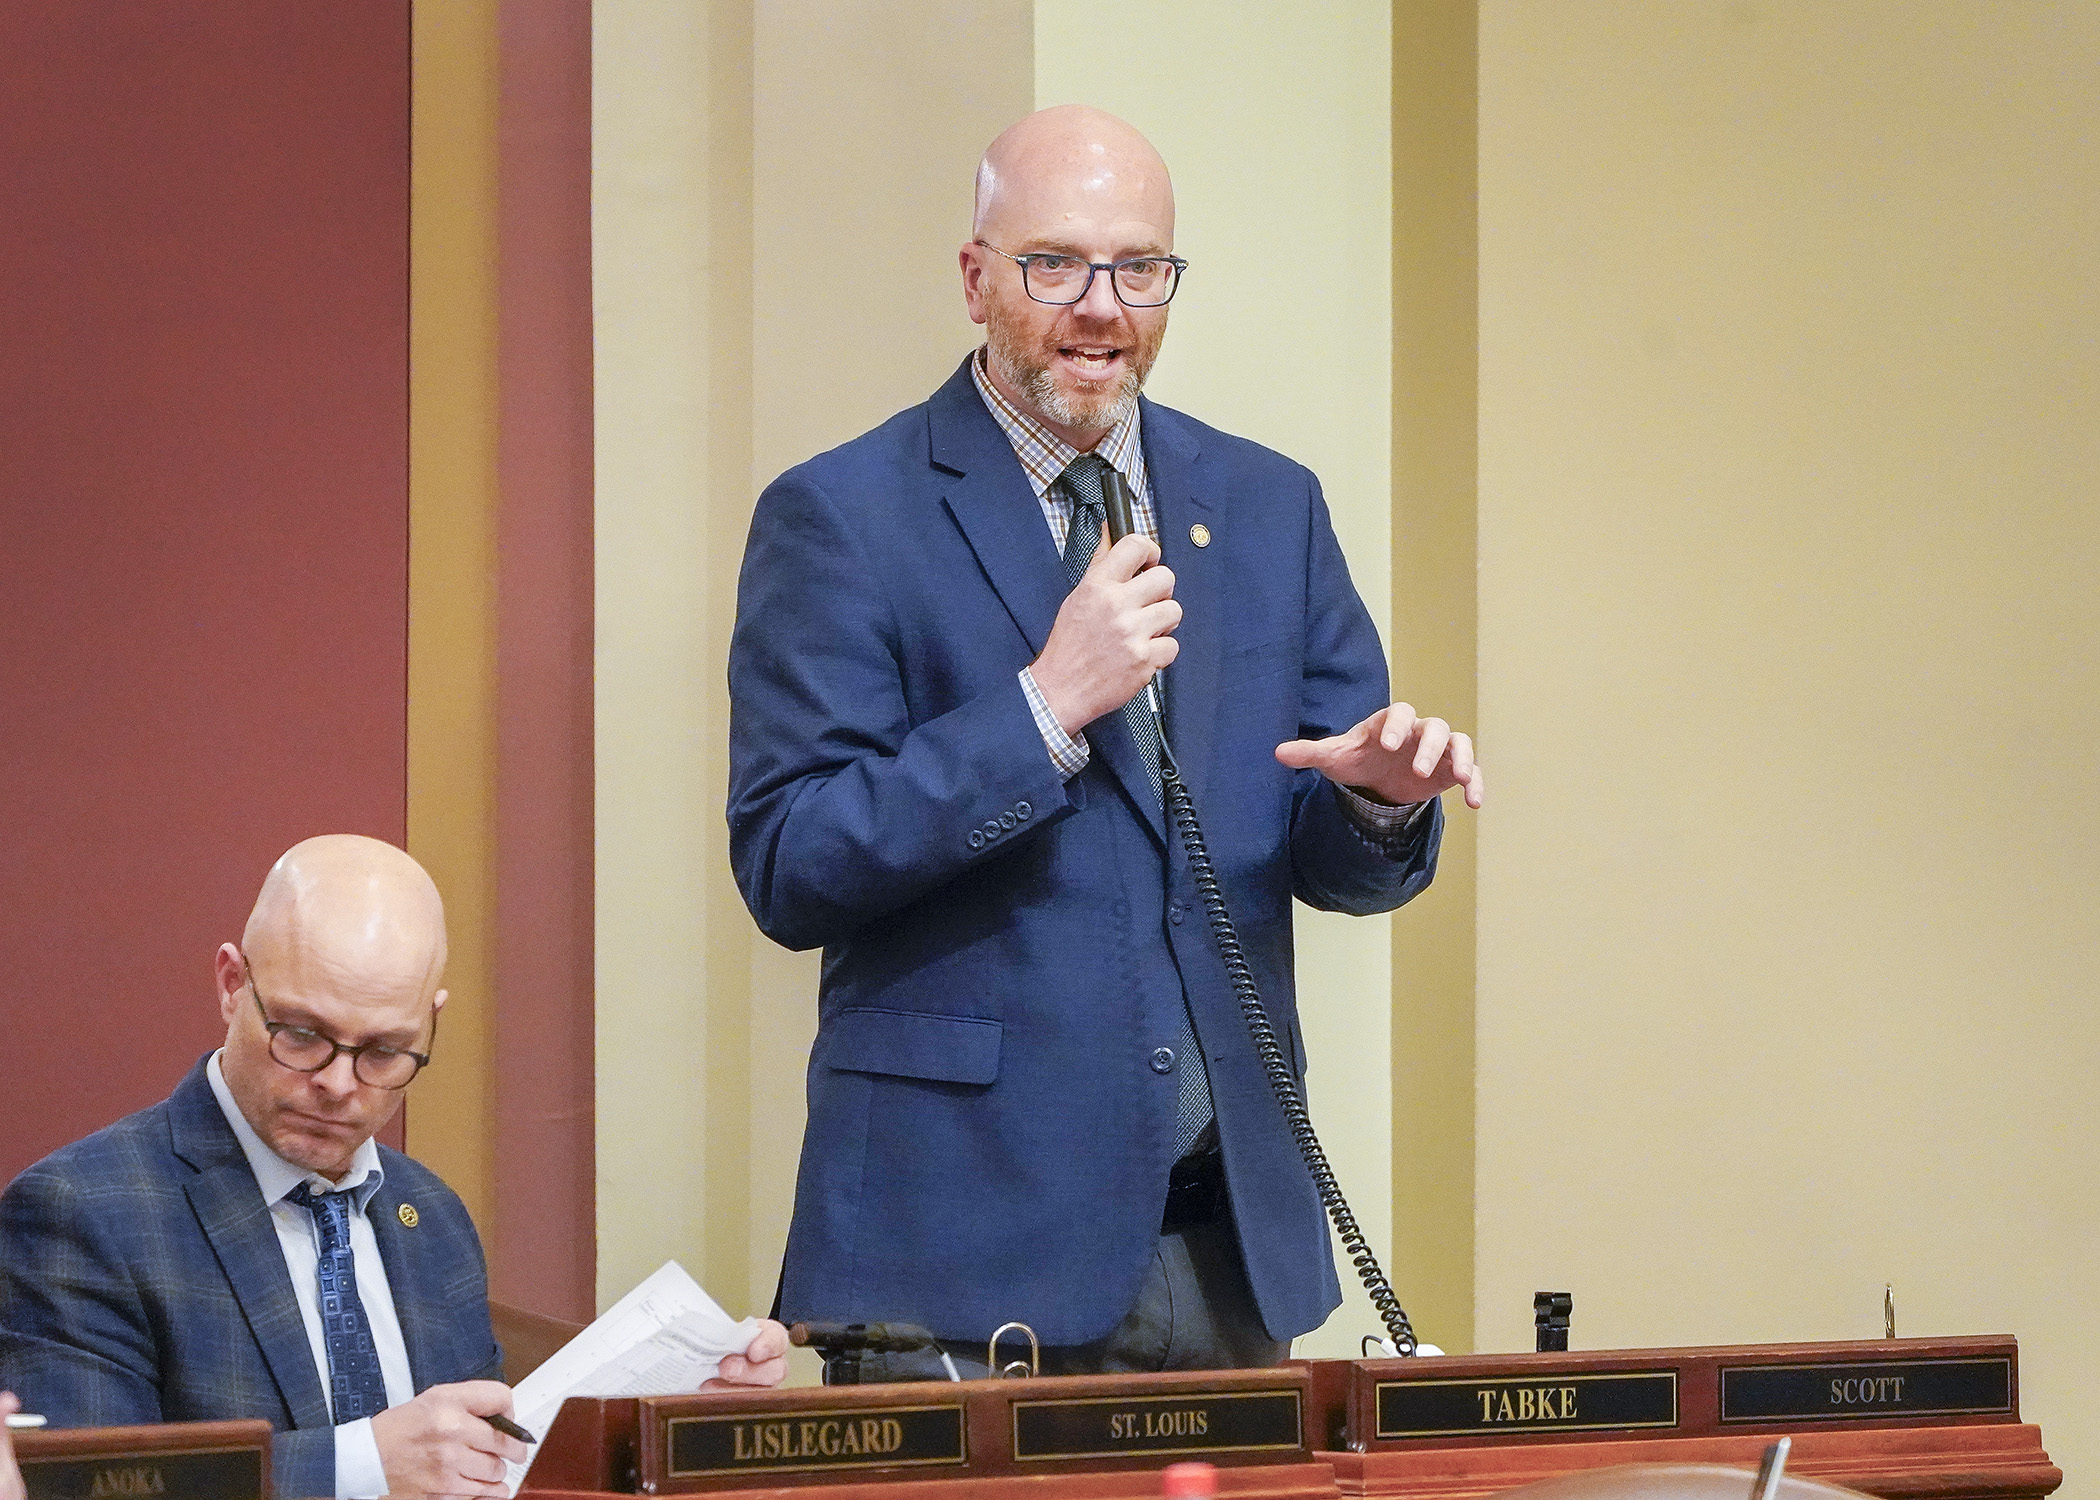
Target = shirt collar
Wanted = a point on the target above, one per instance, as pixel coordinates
(1043, 453)
(276, 1176)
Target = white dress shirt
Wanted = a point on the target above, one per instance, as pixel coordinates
(358, 1470)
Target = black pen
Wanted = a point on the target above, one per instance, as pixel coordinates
(509, 1428)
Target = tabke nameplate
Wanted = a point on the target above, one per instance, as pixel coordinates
(1129, 1426)
(883, 1437)
(1895, 1388)
(1553, 1403)
(206, 1474)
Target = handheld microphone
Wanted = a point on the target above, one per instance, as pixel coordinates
(1120, 511)
(855, 1338)
(1117, 502)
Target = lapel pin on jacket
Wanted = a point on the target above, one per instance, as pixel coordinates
(1200, 534)
(408, 1216)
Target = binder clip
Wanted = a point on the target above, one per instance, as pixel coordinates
(1550, 1312)
(1019, 1369)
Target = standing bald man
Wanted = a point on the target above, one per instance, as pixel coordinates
(1032, 1095)
(246, 1249)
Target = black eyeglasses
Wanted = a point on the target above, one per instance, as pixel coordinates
(1061, 280)
(305, 1050)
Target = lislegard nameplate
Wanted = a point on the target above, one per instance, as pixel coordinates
(793, 1442)
(1489, 1406)
(1884, 1388)
(170, 1461)
(1129, 1426)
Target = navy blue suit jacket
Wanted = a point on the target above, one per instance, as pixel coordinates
(1005, 950)
(141, 1281)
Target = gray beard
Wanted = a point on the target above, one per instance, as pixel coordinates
(1035, 382)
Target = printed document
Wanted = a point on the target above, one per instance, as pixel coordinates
(663, 1338)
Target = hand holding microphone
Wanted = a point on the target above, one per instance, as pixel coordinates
(1113, 633)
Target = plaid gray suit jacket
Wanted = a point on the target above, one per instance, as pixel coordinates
(141, 1281)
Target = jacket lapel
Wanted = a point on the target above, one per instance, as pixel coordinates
(230, 1209)
(1172, 461)
(992, 504)
(995, 508)
(419, 1305)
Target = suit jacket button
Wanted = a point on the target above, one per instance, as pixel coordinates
(1176, 912)
(991, 828)
(1022, 811)
(976, 838)
(1162, 1059)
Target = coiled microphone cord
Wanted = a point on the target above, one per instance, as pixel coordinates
(1182, 809)
(1119, 519)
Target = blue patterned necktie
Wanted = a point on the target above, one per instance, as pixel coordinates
(1083, 481)
(356, 1387)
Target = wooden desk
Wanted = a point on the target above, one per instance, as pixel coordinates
(1871, 1443)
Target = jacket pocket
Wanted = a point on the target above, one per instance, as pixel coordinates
(915, 1044)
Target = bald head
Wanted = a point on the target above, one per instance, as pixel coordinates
(1066, 162)
(347, 944)
(350, 906)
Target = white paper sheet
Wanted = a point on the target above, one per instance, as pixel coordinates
(664, 1337)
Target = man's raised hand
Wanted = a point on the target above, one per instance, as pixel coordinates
(1114, 630)
(1394, 756)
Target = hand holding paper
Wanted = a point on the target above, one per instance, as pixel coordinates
(665, 1337)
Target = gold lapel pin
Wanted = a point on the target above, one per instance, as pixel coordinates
(1200, 534)
(408, 1216)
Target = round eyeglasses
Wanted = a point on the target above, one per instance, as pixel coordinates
(305, 1050)
(1061, 280)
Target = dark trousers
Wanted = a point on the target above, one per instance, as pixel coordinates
(1195, 1310)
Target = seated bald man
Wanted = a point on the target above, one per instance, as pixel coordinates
(245, 1249)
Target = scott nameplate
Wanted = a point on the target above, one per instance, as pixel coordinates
(1827, 1390)
(1131, 1426)
(1488, 1406)
(791, 1442)
(172, 1461)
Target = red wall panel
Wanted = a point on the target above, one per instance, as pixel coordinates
(203, 507)
(546, 1239)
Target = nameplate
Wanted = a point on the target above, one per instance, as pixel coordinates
(1892, 1388)
(1488, 1407)
(204, 1474)
(1131, 1426)
(781, 1442)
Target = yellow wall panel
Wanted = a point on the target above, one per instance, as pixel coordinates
(1789, 906)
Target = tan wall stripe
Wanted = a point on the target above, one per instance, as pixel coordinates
(452, 506)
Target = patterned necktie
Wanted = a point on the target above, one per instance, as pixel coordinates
(1083, 482)
(356, 1387)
